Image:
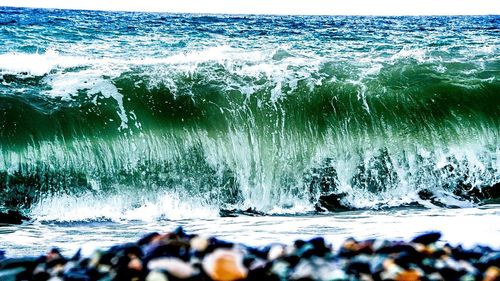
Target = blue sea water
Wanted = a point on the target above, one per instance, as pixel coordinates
(115, 120)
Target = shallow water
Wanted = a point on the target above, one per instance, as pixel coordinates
(467, 226)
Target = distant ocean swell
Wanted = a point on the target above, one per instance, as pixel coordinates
(274, 130)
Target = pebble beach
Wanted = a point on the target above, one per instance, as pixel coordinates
(178, 255)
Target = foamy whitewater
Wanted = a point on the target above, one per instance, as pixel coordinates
(116, 123)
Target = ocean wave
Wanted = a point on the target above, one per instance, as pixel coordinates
(249, 116)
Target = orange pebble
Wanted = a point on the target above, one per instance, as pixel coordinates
(135, 264)
(408, 275)
(492, 274)
(225, 265)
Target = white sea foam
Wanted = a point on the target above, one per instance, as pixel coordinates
(37, 64)
(239, 63)
(67, 86)
(123, 207)
(406, 52)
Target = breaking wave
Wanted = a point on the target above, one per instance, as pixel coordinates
(270, 130)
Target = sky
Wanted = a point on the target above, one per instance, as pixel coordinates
(288, 7)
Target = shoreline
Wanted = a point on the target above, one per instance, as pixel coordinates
(178, 255)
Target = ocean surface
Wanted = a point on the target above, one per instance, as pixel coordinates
(256, 128)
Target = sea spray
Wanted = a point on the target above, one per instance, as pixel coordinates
(230, 112)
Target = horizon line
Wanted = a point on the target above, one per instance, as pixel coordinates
(242, 14)
(277, 7)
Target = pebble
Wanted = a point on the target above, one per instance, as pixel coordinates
(427, 238)
(225, 265)
(275, 252)
(199, 243)
(492, 273)
(156, 276)
(175, 266)
(181, 256)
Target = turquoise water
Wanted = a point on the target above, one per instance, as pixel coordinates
(134, 121)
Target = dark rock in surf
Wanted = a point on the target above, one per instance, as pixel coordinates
(476, 194)
(428, 195)
(225, 213)
(492, 192)
(12, 217)
(332, 202)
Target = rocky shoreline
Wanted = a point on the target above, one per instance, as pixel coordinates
(181, 256)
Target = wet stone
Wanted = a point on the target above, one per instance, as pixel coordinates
(182, 256)
(11, 274)
(427, 238)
